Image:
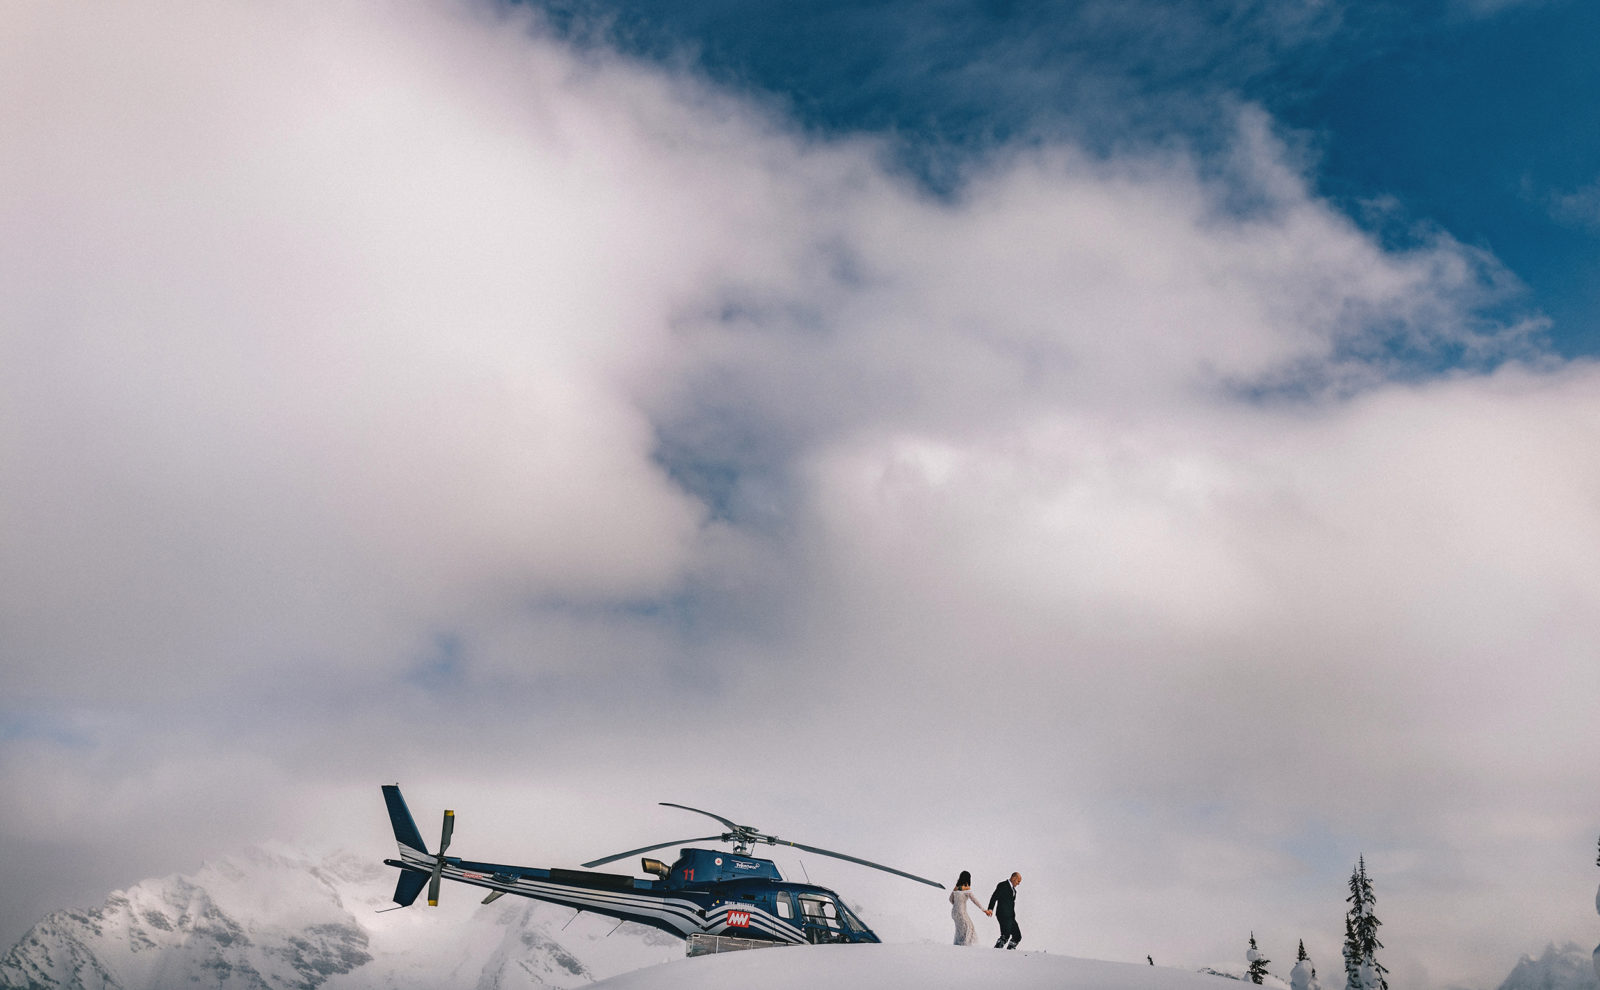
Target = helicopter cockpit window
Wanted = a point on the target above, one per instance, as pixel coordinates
(819, 911)
(851, 920)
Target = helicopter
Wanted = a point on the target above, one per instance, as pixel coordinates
(715, 901)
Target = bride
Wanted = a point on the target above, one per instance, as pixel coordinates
(965, 933)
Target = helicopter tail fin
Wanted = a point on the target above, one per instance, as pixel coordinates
(405, 829)
(411, 881)
(408, 887)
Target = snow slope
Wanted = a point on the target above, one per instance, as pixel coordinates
(906, 967)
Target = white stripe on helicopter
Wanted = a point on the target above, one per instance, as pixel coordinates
(682, 914)
(719, 922)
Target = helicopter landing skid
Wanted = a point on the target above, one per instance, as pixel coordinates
(701, 944)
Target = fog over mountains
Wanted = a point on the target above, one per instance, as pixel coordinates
(274, 919)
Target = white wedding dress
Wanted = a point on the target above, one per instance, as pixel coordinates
(966, 934)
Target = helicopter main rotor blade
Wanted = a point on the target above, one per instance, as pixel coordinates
(645, 849)
(856, 859)
(732, 826)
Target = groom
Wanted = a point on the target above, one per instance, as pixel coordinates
(1003, 902)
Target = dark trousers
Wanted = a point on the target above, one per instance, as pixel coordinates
(1008, 932)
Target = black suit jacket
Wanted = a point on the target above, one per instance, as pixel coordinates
(1004, 900)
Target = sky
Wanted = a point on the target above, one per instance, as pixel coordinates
(1154, 447)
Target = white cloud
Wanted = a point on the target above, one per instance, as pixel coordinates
(1578, 208)
(406, 395)
(301, 345)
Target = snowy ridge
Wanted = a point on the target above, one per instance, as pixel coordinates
(1569, 967)
(908, 967)
(272, 920)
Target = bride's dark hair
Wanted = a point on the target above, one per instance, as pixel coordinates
(965, 880)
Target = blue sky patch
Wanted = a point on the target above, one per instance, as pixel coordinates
(1477, 119)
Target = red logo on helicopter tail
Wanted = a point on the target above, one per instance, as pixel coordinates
(738, 919)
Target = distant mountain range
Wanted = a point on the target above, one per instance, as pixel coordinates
(279, 920)
(276, 920)
(1570, 967)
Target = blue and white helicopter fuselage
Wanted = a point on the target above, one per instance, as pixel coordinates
(705, 892)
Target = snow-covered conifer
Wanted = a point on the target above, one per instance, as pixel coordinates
(1362, 970)
(1258, 961)
(1597, 908)
(1352, 957)
(1304, 974)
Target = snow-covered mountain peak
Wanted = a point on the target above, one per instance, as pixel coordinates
(273, 919)
(1568, 967)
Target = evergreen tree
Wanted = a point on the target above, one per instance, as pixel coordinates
(1597, 908)
(1304, 974)
(1362, 970)
(1258, 962)
(1352, 958)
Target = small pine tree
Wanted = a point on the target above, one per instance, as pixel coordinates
(1362, 970)
(1597, 908)
(1258, 962)
(1304, 974)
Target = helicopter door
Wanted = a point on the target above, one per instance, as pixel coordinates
(821, 919)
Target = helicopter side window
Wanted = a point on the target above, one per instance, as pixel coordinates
(785, 905)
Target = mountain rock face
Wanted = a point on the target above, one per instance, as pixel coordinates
(274, 920)
(1567, 968)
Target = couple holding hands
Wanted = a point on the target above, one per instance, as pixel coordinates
(1003, 900)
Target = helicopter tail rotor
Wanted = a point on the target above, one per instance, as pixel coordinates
(419, 867)
(438, 862)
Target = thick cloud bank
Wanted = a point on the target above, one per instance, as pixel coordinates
(397, 392)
